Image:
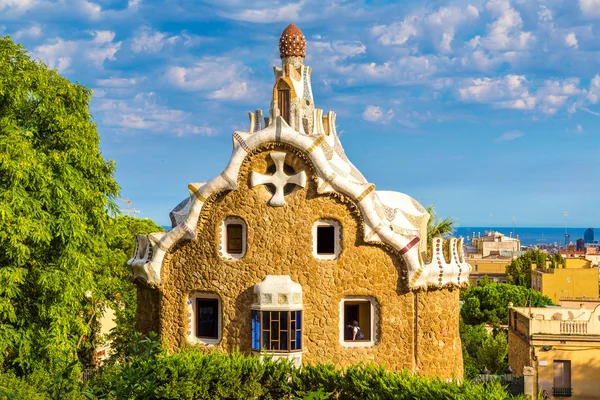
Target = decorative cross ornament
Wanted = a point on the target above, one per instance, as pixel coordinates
(279, 179)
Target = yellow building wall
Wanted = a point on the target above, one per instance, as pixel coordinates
(585, 366)
(577, 263)
(570, 283)
(416, 331)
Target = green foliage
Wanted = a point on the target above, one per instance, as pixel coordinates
(437, 227)
(518, 272)
(149, 373)
(118, 290)
(55, 190)
(193, 374)
(489, 303)
(493, 352)
(483, 349)
(15, 388)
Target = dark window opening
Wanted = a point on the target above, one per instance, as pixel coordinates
(234, 238)
(283, 102)
(279, 331)
(359, 311)
(207, 318)
(325, 240)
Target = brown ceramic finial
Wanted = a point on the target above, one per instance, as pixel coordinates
(292, 42)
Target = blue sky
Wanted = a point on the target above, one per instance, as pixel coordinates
(478, 107)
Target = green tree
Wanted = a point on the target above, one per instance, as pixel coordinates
(119, 291)
(489, 304)
(438, 227)
(518, 272)
(55, 191)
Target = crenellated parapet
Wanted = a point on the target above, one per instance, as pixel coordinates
(446, 265)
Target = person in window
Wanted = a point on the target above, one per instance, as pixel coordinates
(357, 334)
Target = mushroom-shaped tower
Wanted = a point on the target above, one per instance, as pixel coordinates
(292, 92)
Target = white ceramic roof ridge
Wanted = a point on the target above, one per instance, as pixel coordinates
(382, 222)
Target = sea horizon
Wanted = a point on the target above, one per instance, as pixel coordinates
(529, 235)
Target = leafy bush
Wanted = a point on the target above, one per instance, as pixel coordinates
(149, 373)
(15, 388)
(489, 303)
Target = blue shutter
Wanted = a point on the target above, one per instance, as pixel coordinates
(298, 330)
(255, 330)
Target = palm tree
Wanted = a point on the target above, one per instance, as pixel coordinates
(437, 227)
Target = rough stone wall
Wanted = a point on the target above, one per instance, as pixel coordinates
(279, 242)
(439, 350)
(519, 353)
(147, 310)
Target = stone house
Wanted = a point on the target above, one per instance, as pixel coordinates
(291, 244)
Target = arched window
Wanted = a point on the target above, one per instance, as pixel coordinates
(232, 244)
(283, 100)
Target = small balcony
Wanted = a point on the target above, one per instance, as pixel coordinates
(562, 392)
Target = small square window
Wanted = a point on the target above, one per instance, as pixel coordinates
(357, 321)
(325, 240)
(234, 238)
(207, 318)
(232, 235)
(204, 316)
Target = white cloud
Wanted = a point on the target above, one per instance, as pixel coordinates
(396, 33)
(144, 112)
(516, 92)
(544, 14)
(376, 114)
(233, 91)
(221, 76)
(505, 32)
(34, 31)
(578, 129)
(284, 13)
(17, 6)
(148, 41)
(116, 82)
(590, 8)
(571, 40)
(103, 37)
(510, 135)
(59, 53)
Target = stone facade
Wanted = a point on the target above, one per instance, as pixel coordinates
(381, 255)
(279, 242)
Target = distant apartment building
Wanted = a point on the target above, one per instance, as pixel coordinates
(561, 345)
(495, 243)
(576, 279)
(588, 235)
(590, 253)
(494, 267)
(490, 254)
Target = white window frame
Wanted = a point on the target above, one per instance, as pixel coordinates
(374, 321)
(191, 318)
(337, 239)
(223, 238)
